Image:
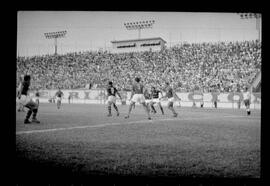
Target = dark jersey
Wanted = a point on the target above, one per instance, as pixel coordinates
(169, 92)
(25, 87)
(147, 95)
(155, 93)
(137, 88)
(59, 94)
(111, 91)
(37, 94)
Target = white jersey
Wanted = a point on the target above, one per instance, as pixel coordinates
(246, 95)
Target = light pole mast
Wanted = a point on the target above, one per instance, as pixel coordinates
(55, 46)
(139, 25)
(55, 36)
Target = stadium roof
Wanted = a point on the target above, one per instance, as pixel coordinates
(144, 39)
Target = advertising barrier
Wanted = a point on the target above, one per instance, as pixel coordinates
(98, 96)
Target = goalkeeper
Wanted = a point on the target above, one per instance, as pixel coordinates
(111, 91)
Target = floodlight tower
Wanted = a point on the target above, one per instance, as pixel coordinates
(139, 25)
(258, 18)
(55, 36)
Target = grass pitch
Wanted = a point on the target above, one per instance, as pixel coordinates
(80, 140)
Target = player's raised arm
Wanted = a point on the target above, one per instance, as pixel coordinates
(19, 90)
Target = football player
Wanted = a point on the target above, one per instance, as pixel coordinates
(137, 96)
(69, 97)
(247, 98)
(37, 94)
(170, 95)
(59, 94)
(111, 92)
(156, 96)
(148, 99)
(27, 102)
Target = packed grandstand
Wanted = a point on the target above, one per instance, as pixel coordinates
(221, 66)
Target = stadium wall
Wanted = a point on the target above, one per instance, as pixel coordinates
(98, 96)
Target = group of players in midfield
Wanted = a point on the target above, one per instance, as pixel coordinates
(146, 97)
(140, 94)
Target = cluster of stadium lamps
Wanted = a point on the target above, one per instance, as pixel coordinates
(55, 35)
(51, 35)
(139, 25)
(249, 15)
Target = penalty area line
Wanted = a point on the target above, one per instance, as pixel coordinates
(82, 127)
(113, 124)
(96, 126)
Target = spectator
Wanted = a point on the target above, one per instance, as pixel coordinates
(187, 66)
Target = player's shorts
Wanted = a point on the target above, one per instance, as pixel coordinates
(156, 100)
(35, 99)
(138, 98)
(171, 99)
(148, 101)
(58, 99)
(247, 102)
(112, 99)
(24, 99)
(27, 101)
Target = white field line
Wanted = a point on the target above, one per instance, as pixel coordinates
(115, 124)
(235, 116)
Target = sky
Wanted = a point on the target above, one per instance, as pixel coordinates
(93, 30)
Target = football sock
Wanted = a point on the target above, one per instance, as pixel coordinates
(172, 109)
(109, 108)
(153, 108)
(28, 114)
(35, 113)
(146, 110)
(115, 107)
(161, 109)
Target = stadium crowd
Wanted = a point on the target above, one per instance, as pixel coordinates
(208, 67)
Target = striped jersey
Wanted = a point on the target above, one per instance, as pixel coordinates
(111, 90)
(155, 94)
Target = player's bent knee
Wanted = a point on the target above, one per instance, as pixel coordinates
(27, 106)
(170, 104)
(36, 106)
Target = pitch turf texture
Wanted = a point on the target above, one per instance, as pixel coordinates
(79, 139)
